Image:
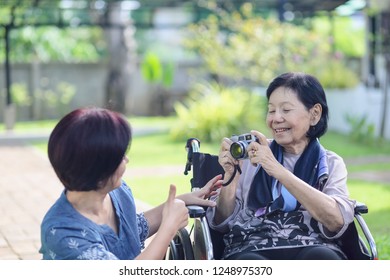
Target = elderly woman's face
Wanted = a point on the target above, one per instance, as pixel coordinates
(289, 120)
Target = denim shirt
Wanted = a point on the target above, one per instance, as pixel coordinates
(68, 235)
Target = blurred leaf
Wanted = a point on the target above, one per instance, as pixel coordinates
(151, 68)
(168, 74)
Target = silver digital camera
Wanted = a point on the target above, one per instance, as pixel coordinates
(239, 147)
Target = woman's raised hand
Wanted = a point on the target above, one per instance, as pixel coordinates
(175, 213)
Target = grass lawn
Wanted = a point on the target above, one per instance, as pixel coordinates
(158, 150)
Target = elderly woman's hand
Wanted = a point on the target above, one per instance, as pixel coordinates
(225, 158)
(260, 153)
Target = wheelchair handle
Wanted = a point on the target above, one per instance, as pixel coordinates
(192, 145)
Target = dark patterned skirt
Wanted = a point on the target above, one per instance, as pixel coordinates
(276, 231)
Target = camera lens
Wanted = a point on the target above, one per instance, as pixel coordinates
(237, 149)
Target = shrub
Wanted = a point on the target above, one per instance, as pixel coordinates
(51, 102)
(212, 111)
(244, 47)
(360, 130)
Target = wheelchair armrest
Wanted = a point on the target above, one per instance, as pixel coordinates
(361, 208)
(196, 211)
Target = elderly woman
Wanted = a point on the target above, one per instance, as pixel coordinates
(291, 200)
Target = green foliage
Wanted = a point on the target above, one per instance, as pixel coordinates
(55, 44)
(57, 100)
(360, 130)
(212, 112)
(151, 68)
(348, 37)
(168, 74)
(241, 46)
(19, 95)
(51, 101)
(156, 72)
(335, 74)
(28, 12)
(38, 32)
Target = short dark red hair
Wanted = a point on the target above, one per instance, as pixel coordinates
(87, 145)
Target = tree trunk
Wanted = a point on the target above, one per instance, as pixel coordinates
(122, 57)
(386, 54)
(385, 98)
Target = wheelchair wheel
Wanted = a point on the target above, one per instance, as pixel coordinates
(180, 247)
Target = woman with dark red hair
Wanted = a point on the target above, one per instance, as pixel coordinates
(95, 216)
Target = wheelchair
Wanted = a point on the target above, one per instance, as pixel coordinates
(201, 242)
